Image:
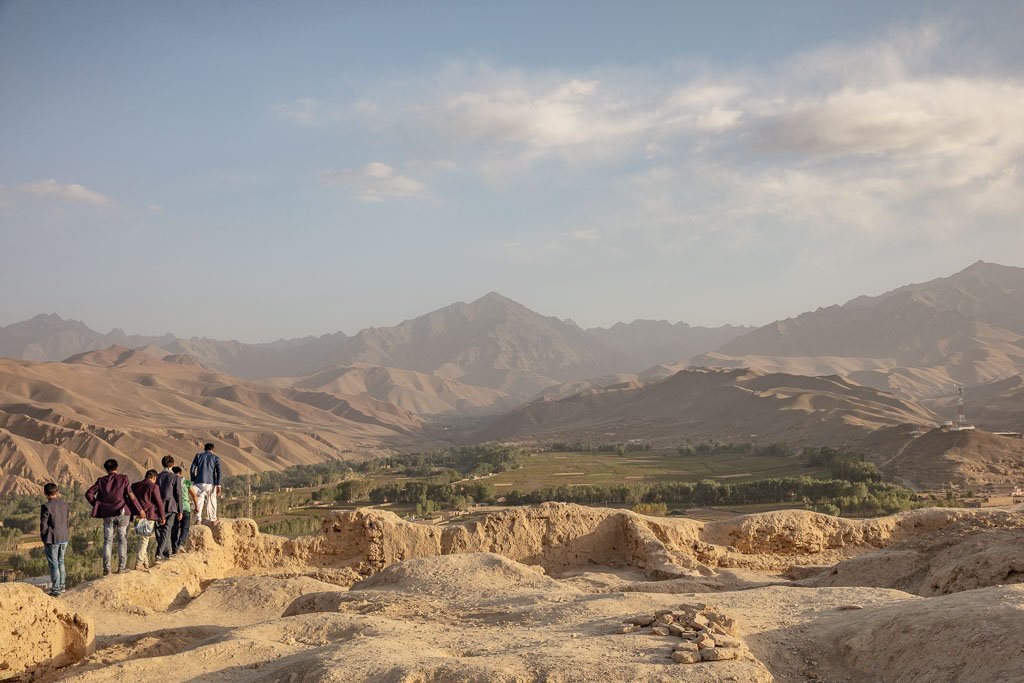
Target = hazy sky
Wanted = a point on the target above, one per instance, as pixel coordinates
(257, 170)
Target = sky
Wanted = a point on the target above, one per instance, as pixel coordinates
(259, 170)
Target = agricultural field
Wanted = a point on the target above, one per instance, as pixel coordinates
(646, 467)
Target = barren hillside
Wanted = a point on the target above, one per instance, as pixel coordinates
(60, 421)
(716, 404)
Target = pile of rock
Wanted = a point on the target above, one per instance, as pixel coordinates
(707, 633)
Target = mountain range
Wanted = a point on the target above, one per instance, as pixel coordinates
(494, 369)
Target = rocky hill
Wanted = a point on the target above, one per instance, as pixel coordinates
(705, 404)
(916, 340)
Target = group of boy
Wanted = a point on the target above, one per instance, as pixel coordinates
(162, 504)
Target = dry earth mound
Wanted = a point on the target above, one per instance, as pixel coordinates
(553, 592)
(967, 458)
(39, 633)
(963, 557)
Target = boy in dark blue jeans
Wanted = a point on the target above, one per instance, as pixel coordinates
(54, 533)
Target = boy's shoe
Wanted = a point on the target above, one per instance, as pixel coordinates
(139, 567)
(106, 572)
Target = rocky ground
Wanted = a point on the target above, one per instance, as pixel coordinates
(550, 593)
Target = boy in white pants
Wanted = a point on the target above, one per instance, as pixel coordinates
(205, 476)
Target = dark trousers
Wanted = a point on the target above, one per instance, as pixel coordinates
(179, 532)
(163, 536)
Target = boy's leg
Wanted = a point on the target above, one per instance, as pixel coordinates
(122, 540)
(184, 526)
(175, 533)
(50, 550)
(61, 570)
(108, 541)
(213, 503)
(163, 538)
(143, 560)
(201, 491)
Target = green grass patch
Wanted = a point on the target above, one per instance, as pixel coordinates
(592, 468)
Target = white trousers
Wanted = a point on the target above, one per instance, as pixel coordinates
(206, 494)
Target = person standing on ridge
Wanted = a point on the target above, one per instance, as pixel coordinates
(179, 532)
(151, 507)
(170, 494)
(205, 476)
(112, 501)
(54, 533)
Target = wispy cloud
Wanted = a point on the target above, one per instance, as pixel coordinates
(376, 182)
(72, 192)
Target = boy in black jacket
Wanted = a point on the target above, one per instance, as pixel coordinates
(54, 533)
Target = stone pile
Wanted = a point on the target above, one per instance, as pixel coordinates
(707, 633)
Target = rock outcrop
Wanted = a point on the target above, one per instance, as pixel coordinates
(39, 633)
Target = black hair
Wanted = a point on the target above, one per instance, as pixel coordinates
(150, 474)
(110, 465)
(50, 489)
(167, 460)
(176, 469)
(208, 447)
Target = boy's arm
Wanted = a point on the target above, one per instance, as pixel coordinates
(90, 495)
(44, 522)
(216, 474)
(194, 497)
(193, 469)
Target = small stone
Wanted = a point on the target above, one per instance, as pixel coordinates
(662, 612)
(643, 620)
(684, 657)
(705, 642)
(676, 629)
(688, 635)
(659, 631)
(850, 606)
(687, 647)
(714, 654)
(726, 641)
(630, 628)
(699, 620)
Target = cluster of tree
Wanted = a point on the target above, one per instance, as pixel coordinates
(429, 497)
(585, 447)
(848, 466)
(264, 504)
(718, 447)
(850, 498)
(296, 476)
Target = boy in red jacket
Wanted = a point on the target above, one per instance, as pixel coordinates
(151, 505)
(112, 501)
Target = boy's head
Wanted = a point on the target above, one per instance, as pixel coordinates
(151, 475)
(167, 461)
(208, 447)
(110, 465)
(176, 470)
(50, 489)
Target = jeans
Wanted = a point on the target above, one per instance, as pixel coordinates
(206, 494)
(179, 532)
(120, 525)
(55, 558)
(163, 536)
